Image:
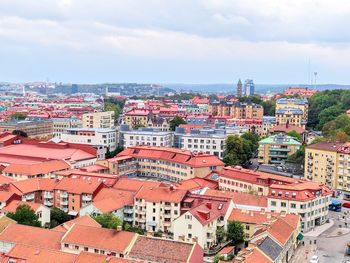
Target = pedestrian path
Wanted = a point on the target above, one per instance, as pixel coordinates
(319, 229)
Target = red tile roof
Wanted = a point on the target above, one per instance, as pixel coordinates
(165, 251)
(287, 128)
(257, 257)
(196, 184)
(38, 168)
(32, 236)
(240, 198)
(29, 254)
(77, 186)
(85, 257)
(281, 231)
(100, 238)
(12, 206)
(172, 155)
(325, 146)
(35, 184)
(158, 194)
(81, 220)
(131, 184)
(251, 217)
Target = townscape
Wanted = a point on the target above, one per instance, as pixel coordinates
(173, 178)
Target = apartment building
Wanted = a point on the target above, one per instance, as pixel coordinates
(146, 136)
(236, 110)
(45, 169)
(157, 207)
(121, 165)
(61, 124)
(72, 194)
(137, 117)
(36, 128)
(293, 111)
(101, 139)
(206, 140)
(99, 120)
(329, 163)
(308, 199)
(276, 148)
(236, 179)
(171, 164)
(201, 216)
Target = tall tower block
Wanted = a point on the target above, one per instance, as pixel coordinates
(239, 88)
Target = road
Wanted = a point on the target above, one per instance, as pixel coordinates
(329, 247)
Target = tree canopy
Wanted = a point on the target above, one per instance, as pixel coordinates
(58, 217)
(25, 215)
(176, 122)
(239, 150)
(295, 135)
(235, 232)
(325, 106)
(18, 116)
(108, 220)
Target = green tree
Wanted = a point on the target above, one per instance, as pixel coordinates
(235, 232)
(108, 220)
(20, 133)
(218, 258)
(295, 135)
(298, 156)
(25, 215)
(341, 136)
(220, 234)
(176, 122)
(133, 229)
(58, 217)
(269, 107)
(18, 116)
(255, 99)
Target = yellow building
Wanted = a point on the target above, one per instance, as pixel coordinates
(293, 111)
(98, 120)
(276, 148)
(329, 163)
(236, 109)
(137, 118)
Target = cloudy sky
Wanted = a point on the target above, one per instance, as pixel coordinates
(175, 41)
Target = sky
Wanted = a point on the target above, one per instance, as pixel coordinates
(175, 41)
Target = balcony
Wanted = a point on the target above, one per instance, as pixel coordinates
(278, 149)
(167, 207)
(128, 211)
(278, 155)
(142, 212)
(128, 218)
(30, 197)
(48, 195)
(48, 203)
(64, 194)
(220, 223)
(87, 198)
(167, 215)
(167, 223)
(64, 202)
(141, 220)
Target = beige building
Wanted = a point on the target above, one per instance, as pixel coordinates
(156, 208)
(236, 110)
(170, 163)
(99, 120)
(61, 124)
(276, 148)
(37, 129)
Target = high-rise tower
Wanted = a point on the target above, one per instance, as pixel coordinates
(239, 88)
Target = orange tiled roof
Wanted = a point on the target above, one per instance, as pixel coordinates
(12, 206)
(101, 238)
(77, 186)
(257, 257)
(133, 184)
(251, 217)
(38, 168)
(162, 251)
(196, 183)
(35, 184)
(32, 236)
(158, 194)
(29, 254)
(281, 231)
(81, 220)
(85, 257)
(240, 198)
(172, 155)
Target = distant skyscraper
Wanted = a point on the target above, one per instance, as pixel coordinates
(239, 88)
(249, 87)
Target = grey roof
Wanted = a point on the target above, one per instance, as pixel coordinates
(292, 110)
(270, 248)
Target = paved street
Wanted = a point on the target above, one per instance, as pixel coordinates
(330, 245)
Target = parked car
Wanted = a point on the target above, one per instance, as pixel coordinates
(314, 259)
(347, 205)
